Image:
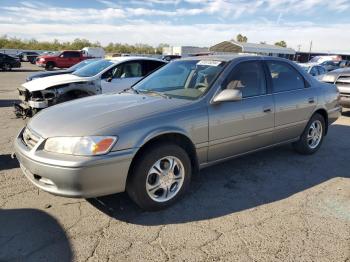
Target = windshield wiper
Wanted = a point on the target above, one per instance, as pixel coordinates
(154, 92)
(133, 89)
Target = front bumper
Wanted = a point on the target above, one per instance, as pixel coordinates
(74, 176)
(41, 64)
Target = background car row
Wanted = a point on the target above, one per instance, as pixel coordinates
(89, 77)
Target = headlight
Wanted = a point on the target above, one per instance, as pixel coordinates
(328, 78)
(42, 59)
(81, 146)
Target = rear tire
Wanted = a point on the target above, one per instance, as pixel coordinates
(312, 137)
(159, 177)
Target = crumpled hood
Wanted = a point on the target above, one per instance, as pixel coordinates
(45, 82)
(88, 116)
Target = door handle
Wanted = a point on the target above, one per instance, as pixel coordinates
(267, 110)
(311, 100)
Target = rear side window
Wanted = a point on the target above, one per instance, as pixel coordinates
(249, 77)
(71, 54)
(285, 77)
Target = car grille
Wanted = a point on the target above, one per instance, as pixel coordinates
(29, 138)
(343, 80)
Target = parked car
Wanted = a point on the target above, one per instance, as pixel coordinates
(191, 113)
(8, 62)
(28, 56)
(330, 65)
(61, 72)
(99, 77)
(313, 69)
(343, 63)
(341, 78)
(62, 59)
(170, 57)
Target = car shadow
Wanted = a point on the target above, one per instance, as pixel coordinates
(25, 70)
(243, 183)
(6, 162)
(32, 235)
(7, 102)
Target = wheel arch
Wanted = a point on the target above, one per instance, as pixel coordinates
(176, 137)
(324, 114)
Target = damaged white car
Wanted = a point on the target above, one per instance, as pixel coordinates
(103, 76)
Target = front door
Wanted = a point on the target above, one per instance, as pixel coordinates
(122, 76)
(241, 126)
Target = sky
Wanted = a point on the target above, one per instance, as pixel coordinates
(182, 22)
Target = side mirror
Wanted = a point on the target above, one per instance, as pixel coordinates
(109, 79)
(228, 95)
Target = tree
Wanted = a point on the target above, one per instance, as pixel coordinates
(281, 44)
(241, 38)
(77, 44)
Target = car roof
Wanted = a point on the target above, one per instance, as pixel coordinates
(120, 59)
(228, 58)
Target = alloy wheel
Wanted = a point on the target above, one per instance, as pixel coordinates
(165, 179)
(314, 135)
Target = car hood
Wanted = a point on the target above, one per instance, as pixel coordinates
(49, 73)
(45, 82)
(89, 116)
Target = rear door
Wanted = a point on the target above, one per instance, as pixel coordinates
(295, 100)
(240, 126)
(122, 76)
(72, 58)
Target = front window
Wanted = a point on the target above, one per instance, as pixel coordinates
(186, 79)
(93, 68)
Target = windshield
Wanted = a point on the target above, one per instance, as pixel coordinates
(186, 79)
(82, 64)
(93, 68)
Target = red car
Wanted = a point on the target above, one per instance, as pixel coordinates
(62, 59)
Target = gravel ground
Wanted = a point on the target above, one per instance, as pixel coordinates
(274, 205)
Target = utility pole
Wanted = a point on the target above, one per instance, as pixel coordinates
(310, 50)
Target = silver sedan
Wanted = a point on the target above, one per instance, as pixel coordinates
(192, 113)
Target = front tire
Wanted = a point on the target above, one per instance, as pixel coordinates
(312, 137)
(159, 176)
(49, 66)
(6, 67)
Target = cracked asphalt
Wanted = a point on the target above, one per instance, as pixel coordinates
(273, 205)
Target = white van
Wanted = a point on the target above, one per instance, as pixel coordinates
(94, 52)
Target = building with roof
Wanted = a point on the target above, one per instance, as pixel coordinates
(229, 47)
